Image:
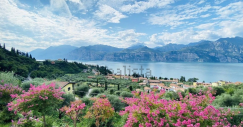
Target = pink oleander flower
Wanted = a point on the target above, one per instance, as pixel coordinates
(151, 110)
(74, 110)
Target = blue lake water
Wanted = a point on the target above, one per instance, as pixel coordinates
(208, 72)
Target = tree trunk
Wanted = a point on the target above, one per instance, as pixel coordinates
(44, 121)
(74, 122)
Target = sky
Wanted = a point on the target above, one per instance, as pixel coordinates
(32, 24)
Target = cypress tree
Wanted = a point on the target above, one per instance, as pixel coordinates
(105, 85)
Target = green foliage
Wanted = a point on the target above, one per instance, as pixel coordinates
(219, 90)
(118, 93)
(19, 64)
(9, 78)
(192, 79)
(112, 91)
(36, 82)
(182, 79)
(81, 90)
(126, 94)
(87, 101)
(95, 92)
(116, 102)
(67, 99)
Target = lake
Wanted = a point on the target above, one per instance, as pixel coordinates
(208, 72)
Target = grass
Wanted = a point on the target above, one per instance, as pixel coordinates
(6, 125)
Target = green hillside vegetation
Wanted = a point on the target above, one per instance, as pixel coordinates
(23, 64)
(16, 61)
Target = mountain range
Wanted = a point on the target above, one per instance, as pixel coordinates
(227, 50)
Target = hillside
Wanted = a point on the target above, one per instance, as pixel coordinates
(24, 64)
(53, 52)
(17, 61)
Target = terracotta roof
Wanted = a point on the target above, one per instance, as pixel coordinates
(174, 85)
(169, 80)
(161, 84)
(153, 84)
(142, 83)
(157, 81)
(146, 88)
(61, 84)
(238, 83)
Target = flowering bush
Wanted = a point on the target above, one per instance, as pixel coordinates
(7, 92)
(42, 98)
(74, 110)
(151, 110)
(28, 120)
(101, 110)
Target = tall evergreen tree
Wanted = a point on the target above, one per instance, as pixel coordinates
(30, 56)
(4, 46)
(105, 85)
(27, 55)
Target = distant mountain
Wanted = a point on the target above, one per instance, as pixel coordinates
(136, 46)
(170, 47)
(53, 52)
(94, 52)
(221, 50)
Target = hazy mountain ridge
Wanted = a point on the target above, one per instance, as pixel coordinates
(221, 50)
(53, 52)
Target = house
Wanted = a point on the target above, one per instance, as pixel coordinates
(117, 76)
(154, 85)
(134, 79)
(157, 85)
(142, 79)
(187, 86)
(91, 76)
(67, 87)
(170, 81)
(143, 84)
(221, 82)
(52, 62)
(154, 81)
(147, 89)
(174, 86)
(238, 83)
(195, 84)
(215, 84)
(110, 78)
(166, 88)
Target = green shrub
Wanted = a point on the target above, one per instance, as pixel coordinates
(112, 91)
(82, 90)
(118, 93)
(116, 102)
(9, 78)
(126, 94)
(36, 82)
(95, 92)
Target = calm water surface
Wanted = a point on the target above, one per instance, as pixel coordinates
(208, 72)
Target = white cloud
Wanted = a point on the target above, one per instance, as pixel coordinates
(126, 38)
(201, 1)
(182, 37)
(219, 1)
(178, 15)
(109, 14)
(141, 6)
(205, 16)
(233, 10)
(206, 26)
(60, 7)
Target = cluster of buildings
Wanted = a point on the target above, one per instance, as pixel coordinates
(167, 85)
